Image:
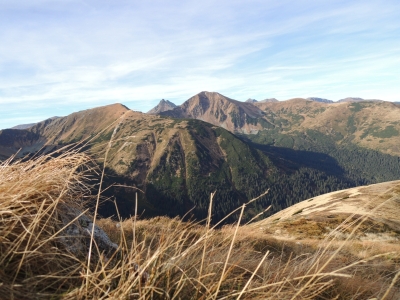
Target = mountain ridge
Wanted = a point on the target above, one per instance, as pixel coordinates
(369, 124)
(166, 158)
(178, 162)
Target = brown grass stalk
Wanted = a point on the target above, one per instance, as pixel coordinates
(159, 258)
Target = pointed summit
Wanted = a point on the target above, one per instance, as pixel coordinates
(164, 105)
(218, 110)
(251, 100)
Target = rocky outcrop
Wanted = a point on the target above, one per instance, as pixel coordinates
(76, 230)
(76, 233)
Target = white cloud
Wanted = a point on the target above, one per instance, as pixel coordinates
(88, 53)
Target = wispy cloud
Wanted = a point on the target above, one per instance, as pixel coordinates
(62, 56)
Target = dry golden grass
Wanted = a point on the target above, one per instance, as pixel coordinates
(163, 258)
(31, 263)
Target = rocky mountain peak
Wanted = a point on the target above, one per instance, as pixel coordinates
(163, 105)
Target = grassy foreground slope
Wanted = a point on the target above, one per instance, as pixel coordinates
(164, 258)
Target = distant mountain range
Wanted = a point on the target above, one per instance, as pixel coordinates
(368, 123)
(26, 126)
(23, 126)
(356, 99)
(298, 148)
(166, 105)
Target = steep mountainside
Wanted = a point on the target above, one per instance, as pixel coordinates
(164, 105)
(301, 149)
(369, 124)
(11, 140)
(218, 110)
(177, 163)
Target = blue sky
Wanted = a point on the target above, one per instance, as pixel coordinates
(57, 57)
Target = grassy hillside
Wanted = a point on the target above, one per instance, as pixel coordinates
(371, 125)
(166, 258)
(177, 163)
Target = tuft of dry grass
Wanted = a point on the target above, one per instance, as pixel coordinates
(32, 263)
(159, 258)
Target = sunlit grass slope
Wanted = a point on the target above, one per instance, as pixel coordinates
(161, 258)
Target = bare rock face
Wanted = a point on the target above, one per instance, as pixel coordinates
(218, 110)
(164, 105)
(76, 233)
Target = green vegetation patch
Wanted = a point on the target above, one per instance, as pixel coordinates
(265, 124)
(351, 124)
(356, 106)
(237, 119)
(103, 137)
(284, 141)
(221, 115)
(377, 132)
(388, 132)
(250, 120)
